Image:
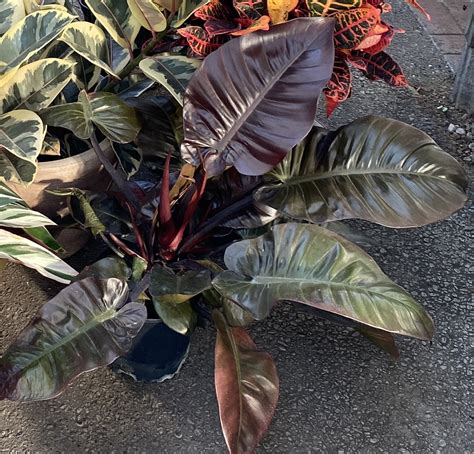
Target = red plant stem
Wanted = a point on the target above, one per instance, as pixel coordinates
(138, 234)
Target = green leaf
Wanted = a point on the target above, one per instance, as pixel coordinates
(85, 74)
(167, 287)
(186, 10)
(128, 156)
(148, 14)
(307, 264)
(106, 268)
(87, 325)
(42, 235)
(36, 85)
(119, 57)
(376, 169)
(116, 17)
(107, 111)
(30, 35)
(11, 11)
(246, 386)
(89, 41)
(173, 72)
(18, 249)
(179, 317)
(21, 138)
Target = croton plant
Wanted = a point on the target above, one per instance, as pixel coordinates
(227, 201)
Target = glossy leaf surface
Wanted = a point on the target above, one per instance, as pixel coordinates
(28, 253)
(116, 17)
(246, 386)
(87, 325)
(21, 138)
(11, 11)
(107, 111)
(376, 169)
(187, 9)
(89, 41)
(29, 36)
(148, 14)
(36, 85)
(241, 110)
(321, 8)
(173, 72)
(307, 264)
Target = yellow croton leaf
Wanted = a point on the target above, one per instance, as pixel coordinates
(278, 10)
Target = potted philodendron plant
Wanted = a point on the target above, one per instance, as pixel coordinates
(233, 224)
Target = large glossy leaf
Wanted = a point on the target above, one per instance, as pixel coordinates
(307, 264)
(11, 11)
(30, 35)
(89, 41)
(106, 268)
(36, 85)
(255, 97)
(87, 325)
(376, 169)
(85, 74)
(173, 72)
(116, 17)
(21, 137)
(246, 386)
(186, 10)
(107, 111)
(18, 249)
(148, 14)
(129, 157)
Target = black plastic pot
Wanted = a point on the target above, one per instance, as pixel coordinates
(157, 354)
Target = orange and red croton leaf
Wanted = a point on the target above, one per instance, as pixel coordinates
(249, 9)
(379, 66)
(215, 9)
(385, 40)
(199, 40)
(339, 87)
(353, 26)
(323, 8)
(250, 26)
(416, 5)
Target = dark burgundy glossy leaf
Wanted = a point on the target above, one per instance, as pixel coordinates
(382, 339)
(246, 387)
(87, 325)
(254, 98)
(220, 27)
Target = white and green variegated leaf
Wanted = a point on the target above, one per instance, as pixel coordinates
(37, 5)
(116, 17)
(85, 74)
(35, 85)
(186, 10)
(18, 249)
(173, 72)
(21, 137)
(89, 41)
(29, 36)
(307, 264)
(129, 157)
(148, 14)
(118, 56)
(11, 11)
(107, 111)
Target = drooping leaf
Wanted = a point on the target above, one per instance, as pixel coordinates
(278, 10)
(22, 250)
(89, 41)
(173, 72)
(307, 264)
(187, 9)
(199, 41)
(379, 66)
(229, 125)
(376, 169)
(116, 17)
(247, 387)
(168, 287)
(36, 85)
(322, 8)
(107, 111)
(11, 12)
(21, 136)
(148, 14)
(352, 26)
(42, 236)
(87, 325)
(382, 339)
(29, 36)
(339, 87)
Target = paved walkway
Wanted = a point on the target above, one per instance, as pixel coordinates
(449, 19)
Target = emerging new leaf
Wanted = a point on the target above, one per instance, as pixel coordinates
(87, 325)
(307, 264)
(255, 97)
